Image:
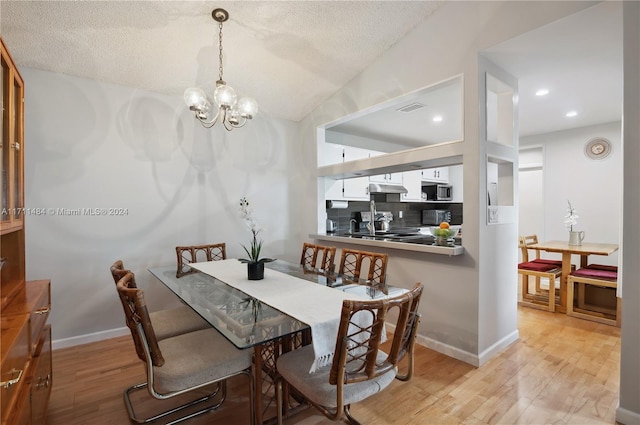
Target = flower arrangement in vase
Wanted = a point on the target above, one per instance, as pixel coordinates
(570, 220)
(255, 264)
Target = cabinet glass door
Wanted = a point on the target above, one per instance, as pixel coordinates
(12, 214)
(17, 150)
(5, 152)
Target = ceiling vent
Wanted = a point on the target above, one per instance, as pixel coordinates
(411, 107)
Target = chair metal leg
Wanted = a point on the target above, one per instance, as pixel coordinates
(221, 387)
(279, 401)
(347, 413)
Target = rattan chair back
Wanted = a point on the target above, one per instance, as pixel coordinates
(318, 256)
(198, 253)
(353, 262)
(356, 355)
(118, 272)
(137, 319)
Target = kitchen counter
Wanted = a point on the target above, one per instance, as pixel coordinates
(417, 243)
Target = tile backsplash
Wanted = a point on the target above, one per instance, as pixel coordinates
(411, 212)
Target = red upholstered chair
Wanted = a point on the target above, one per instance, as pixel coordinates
(538, 268)
(603, 280)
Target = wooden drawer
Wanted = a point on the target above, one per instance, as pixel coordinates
(40, 313)
(41, 381)
(36, 301)
(15, 360)
(21, 415)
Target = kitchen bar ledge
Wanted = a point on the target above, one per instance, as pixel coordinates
(431, 249)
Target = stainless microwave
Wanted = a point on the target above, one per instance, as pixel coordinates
(435, 217)
(438, 192)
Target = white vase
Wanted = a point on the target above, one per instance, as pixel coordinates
(575, 238)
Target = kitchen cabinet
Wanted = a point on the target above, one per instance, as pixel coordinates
(412, 181)
(388, 178)
(354, 189)
(25, 340)
(353, 154)
(436, 175)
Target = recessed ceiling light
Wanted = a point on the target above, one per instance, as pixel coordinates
(542, 92)
(437, 118)
(571, 114)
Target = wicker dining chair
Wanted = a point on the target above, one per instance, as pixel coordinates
(352, 261)
(180, 364)
(168, 322)
(198, 253)
(318, 256)
(360, 368)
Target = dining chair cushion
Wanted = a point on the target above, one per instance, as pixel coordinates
(596, 274)
(294, 368)
(196, 358)
(176, 321)
(603, 267)
(535, 266)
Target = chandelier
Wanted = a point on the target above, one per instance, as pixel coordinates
(232, 112)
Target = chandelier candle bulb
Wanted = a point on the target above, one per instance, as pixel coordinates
(225, 96)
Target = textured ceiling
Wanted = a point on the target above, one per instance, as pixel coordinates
(292, 55)
(289, 55)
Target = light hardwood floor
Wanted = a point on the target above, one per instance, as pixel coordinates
(563, 370)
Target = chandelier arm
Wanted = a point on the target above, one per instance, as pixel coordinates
(241, 124)
(212, 122)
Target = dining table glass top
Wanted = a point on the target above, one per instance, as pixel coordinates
(246, 321)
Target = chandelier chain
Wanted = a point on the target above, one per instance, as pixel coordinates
(220, 53)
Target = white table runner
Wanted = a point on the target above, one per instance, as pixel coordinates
(316, 305)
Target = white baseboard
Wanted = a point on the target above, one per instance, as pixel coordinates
(462, 355)
(496, 348)
(627, 417)
(86, 339)
(448, 350)
(456, 353)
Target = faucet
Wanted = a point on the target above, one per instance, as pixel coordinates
(355, 227)
(371, 226)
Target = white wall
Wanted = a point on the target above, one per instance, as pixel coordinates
(97, 145)
(594, 187)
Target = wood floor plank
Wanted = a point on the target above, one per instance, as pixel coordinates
(563, 371)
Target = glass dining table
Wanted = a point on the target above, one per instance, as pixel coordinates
(250, 323)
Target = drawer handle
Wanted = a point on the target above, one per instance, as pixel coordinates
(44, 310)
(46, 382)
(10, 382)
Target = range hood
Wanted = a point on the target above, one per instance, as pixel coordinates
(386, 188)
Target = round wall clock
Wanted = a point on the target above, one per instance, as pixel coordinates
(597, 148)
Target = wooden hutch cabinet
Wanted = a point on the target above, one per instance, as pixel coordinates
(25, 346)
